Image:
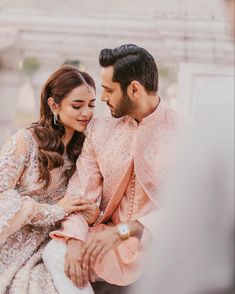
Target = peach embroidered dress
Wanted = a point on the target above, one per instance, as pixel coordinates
(123, 163)
(27, 214)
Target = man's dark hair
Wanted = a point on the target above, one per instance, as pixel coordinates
(131, 63)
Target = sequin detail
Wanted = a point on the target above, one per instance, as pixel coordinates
(27, 214)
(8, 206)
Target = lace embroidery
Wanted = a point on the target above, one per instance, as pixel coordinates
(9, 205)
(49, 216)
(18, 185)
(11, 165)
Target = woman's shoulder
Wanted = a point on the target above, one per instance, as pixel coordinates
(21, 140)
(23, 135)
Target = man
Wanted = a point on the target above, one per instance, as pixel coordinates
(123, 163)
(194, 249)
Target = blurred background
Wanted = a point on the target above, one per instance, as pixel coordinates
(190, 40)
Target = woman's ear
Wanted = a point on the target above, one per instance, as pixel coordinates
(53, 106)
(134, 90)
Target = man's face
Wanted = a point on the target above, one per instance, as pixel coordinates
(118, 102)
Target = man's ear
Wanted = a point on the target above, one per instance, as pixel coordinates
(134, 90)
(53, 106)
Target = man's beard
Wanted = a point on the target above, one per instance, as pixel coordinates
(124, 107)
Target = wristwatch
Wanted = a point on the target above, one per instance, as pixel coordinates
(124, 230)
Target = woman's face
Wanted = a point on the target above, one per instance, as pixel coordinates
(76, 109)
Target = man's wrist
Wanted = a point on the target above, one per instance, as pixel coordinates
(131, 229)
(124, 230)
(136, 229)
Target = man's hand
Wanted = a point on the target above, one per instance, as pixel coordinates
(72, 268)
(83, 256)
(97, 245)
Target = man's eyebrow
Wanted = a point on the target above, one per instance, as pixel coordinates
(106, 87)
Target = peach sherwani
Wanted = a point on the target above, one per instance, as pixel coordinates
(122, 167)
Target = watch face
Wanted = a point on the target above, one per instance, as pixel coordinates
(124, 229)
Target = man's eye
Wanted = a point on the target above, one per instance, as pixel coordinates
(91, 106)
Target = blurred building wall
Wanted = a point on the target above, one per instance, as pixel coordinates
(176, 32)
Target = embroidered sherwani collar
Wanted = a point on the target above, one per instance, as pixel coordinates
(157, 114)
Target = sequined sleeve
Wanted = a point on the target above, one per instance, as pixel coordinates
(47, 215)
(87, 183)
(13, 157)
(15, 210)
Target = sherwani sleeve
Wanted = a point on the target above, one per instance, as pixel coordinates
(149, 221)
(86, 182)
(16, 210)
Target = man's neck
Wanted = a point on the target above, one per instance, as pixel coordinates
(147, 107)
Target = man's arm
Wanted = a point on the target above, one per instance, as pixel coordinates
(85, 183)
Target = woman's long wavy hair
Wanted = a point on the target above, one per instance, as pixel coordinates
(48, 134)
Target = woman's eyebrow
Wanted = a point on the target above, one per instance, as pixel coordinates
(80, 100)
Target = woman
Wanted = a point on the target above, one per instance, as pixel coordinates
(35, 166)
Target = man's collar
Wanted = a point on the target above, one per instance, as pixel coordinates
(155, 115)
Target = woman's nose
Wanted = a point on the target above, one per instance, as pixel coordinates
(86, 111)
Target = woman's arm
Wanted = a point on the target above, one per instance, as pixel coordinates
(17, 211)
(13, 158)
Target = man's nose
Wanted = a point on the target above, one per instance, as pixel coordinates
(104, 97)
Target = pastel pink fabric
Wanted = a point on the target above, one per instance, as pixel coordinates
(114, 149)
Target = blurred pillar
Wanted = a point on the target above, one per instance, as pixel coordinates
(10, 81)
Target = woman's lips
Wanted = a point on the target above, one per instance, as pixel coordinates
(83, 121)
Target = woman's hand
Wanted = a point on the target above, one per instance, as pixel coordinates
(87, 208)
(71, 204)
(90, 211)
(72, 267)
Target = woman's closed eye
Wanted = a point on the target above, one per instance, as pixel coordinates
(78, 107)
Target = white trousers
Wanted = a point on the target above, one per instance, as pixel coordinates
(53, 257)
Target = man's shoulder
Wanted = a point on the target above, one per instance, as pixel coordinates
(100, 120)
(170, 116)
(103, 124)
